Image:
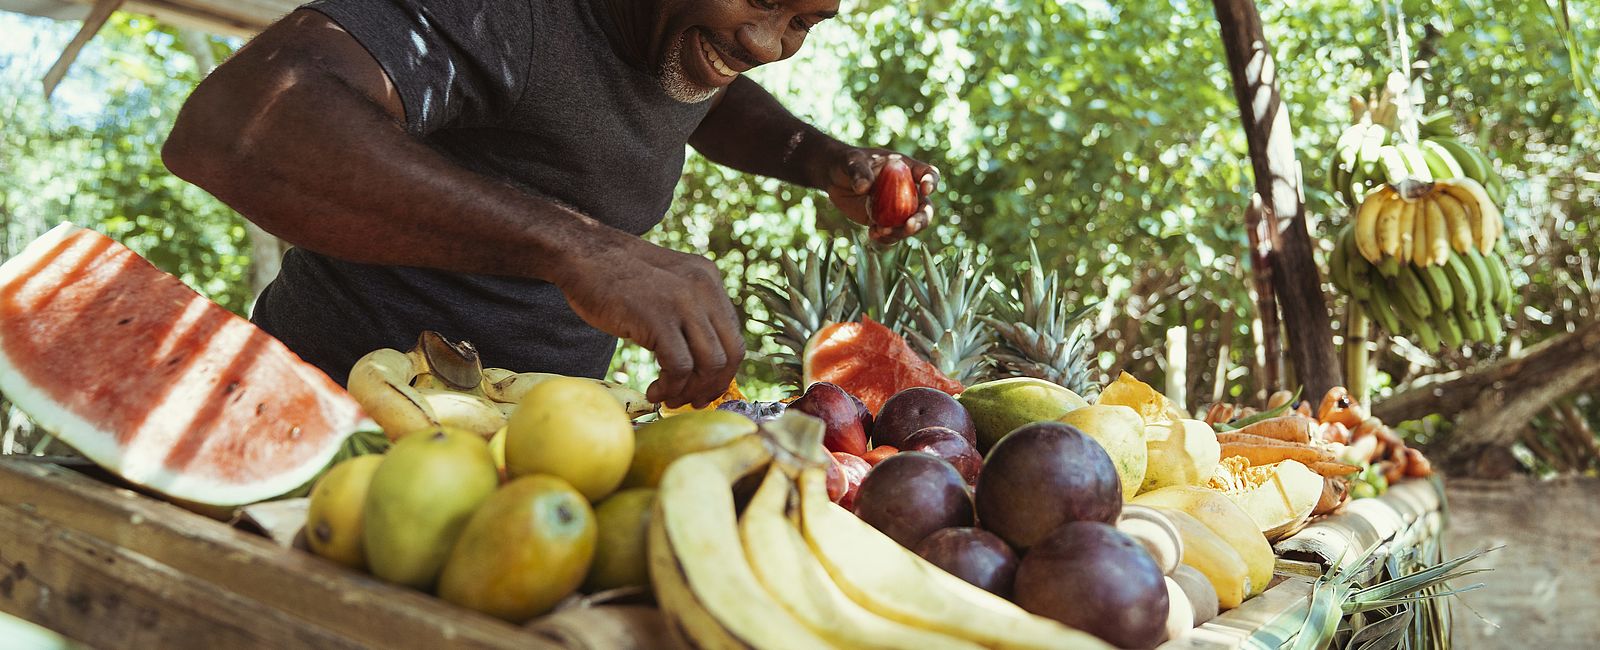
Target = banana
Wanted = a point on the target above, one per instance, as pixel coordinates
(1471, 324)
(895, 583)
(1346, 154)
(1407, 230)
(464, 411)
(1389, 267)
(1449, 330)
(1416, 163)
(696, 515)
(1438, 233)
(1417, 327)
(1367, 167)
(1436, 124)
(1382, 309)
(1356, 268)
(1440, 293)
(685, 616)
(1493, 331)
(784, 564)
(510, 389)
(1393, 165)
(1484, 278)
(1421, 237)
(380, 382)
(1471, 165)
(1338, 266)
(1440, 161)
(1389, 224)
(1413, 294)
(1487, 228)
(1457, 219)
(1462, 283)
(1366, 233)
(1502, 282)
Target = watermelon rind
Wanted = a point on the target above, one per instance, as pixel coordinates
(143, 466)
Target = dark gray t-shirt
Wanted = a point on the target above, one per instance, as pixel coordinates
(530, 92)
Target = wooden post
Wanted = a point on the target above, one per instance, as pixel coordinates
(1278, 181)
(98, 15)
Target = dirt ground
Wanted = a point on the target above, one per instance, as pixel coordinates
(1544, 591)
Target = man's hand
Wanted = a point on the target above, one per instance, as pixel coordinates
(849, 176)
(672, 304)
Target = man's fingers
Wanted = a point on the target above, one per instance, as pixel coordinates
(672, 354)
(709, 362)
(930, 181)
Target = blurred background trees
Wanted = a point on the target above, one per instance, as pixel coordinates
(1107, 135)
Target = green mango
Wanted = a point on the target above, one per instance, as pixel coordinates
(420, 499)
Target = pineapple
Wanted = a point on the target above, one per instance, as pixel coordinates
(944, 324)
(876, 295)
(813, 294)
(1038, 336)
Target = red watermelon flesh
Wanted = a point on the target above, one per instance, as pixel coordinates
(154, 382)
(869, 361)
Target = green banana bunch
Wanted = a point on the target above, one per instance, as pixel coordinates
(1371, 153)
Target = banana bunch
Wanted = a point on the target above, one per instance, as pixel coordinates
(1420, 223)
(1459, 301)
(1370, 154)
(795, 570)
(439, 382)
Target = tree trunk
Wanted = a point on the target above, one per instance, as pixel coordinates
(1277, 175)
(1492, 403)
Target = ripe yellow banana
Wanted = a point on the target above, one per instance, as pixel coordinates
(895, 583)
(1406, 230)
(1389, 224)
(1455, 215)
(509, 388)
(1486, 222)
(1366, 231)
(1437, 232)
(1421, 240)
(696, 514)
(783, 562)
(380, 382)
(686, 617)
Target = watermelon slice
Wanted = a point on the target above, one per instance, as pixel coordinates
(154, 382)
(869, 361)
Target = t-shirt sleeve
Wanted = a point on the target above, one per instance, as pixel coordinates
(455, 63)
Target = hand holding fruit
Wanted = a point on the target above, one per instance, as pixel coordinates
(884, 191)
(673, 304)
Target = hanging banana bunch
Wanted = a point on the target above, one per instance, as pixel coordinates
(1421, 258)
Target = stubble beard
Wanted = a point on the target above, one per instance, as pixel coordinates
(674, 77)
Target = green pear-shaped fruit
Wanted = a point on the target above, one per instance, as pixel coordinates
(421, 497)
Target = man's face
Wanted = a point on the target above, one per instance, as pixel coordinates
(709, 43)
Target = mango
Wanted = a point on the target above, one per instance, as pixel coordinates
(525, 549)
(1181, 452)
(1214, 558)
(420, 499)
(659, 443)
(619, 554)
(573, 429)
(1226, 519)
(1120, 431)
(998, 407)
(333, 517)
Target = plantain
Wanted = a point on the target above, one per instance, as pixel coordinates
(1389, 223)
(1366, 222)
(1449, 330)
(1484, 278)
(1413, 293)
(1417, 327)
(1502, 282)
(1440, 292)
(1393, 164)
(1382, 309)
(1416, 163)
(380, 381)
(1440, 161)
(695, 519)
(1462, 283)
(1407, 230)
(1457, 219)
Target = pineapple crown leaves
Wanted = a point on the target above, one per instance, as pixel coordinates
(877, 296)
(1038, 336)
(946, 327)
(812, 298)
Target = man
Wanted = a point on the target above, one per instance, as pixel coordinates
(485, 169)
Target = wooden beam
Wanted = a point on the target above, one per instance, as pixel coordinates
(1277, 175)
(113, 568)
(91, 25)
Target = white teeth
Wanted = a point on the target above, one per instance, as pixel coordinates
(716, 61)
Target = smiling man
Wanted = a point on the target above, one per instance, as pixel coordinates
(485, 169)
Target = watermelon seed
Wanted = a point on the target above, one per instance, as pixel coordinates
(232, 386)
(125, 321)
